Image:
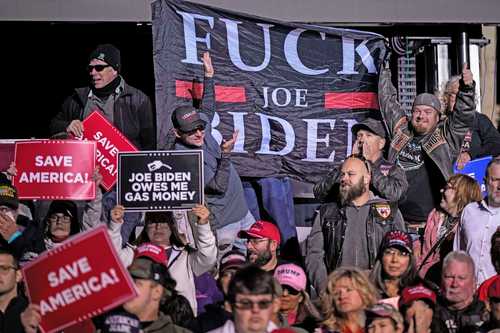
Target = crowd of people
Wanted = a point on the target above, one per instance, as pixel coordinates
(399, 243)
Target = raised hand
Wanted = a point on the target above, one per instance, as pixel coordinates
(227, 145)
(207, 64)
(467, 75)
(117, 214)
(202, 212)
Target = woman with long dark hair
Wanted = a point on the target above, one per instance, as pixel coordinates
(395, 265)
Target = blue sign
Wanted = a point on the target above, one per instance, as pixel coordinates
(477, 170)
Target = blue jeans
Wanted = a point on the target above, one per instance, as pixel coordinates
(271, 199)
(130, 220)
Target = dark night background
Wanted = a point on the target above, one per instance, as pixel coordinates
(43, 62)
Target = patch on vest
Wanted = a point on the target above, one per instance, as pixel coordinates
(383, 210)
(435, 140)
(384, 169)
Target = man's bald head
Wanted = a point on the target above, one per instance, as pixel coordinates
(354, 179)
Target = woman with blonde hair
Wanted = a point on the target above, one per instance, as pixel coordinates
(348, 293)
(442, 222)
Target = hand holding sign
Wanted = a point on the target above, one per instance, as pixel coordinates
(31, 318)
(12, 170)
(462, 160)
(117, 214)
(202, 213)
(76, 128)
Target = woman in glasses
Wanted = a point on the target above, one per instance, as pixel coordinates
(296, 308)
(395, 265)
(442, 222)
(347, 295)
(60, 223)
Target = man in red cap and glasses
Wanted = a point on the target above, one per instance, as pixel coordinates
(263, 240)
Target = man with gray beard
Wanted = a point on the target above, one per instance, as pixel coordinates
(349, 232)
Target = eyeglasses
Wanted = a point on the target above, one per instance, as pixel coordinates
(200, 128)
(62, 218)
(290, 290)
(4, 269)
(256, 241)
(98, 68)
(247, 304)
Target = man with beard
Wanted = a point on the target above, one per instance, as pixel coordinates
(263, 240)
(424, 146)
(479, 222)
(349, 233)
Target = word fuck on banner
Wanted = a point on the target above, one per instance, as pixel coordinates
(160, 180)
(109, 141)
(55, 169)
(77, 280)
(293, 91)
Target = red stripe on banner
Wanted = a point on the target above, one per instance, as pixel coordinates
(352, 100)
(187, 89)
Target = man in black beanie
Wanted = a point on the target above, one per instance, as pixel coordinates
(128, 108)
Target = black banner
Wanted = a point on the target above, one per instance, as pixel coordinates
(160, 180)
(293, 91)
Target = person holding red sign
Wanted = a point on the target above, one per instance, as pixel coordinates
(184, 261)
(59, 224)
(128, 108)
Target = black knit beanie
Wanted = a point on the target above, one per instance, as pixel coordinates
(107, 53)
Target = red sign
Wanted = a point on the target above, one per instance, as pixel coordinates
(77, 280)
(55, 169)
(110, 141)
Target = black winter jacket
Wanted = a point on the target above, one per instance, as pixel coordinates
(133, 115)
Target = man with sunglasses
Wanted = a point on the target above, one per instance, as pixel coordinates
(254, 300)
(349, 232)
(223, 189)
(128, 108)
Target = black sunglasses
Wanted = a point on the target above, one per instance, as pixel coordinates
(98, 68)
(290, 290)
(200, 128)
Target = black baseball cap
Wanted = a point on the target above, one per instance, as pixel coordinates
(370, 124)
(187, 118)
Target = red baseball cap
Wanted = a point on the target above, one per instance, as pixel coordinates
(153, 252)
(261, 229)
(494, 289)
(414, 293)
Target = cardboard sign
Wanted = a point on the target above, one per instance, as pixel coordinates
(160, 180)
(55, 169)
(77, 280)
(477, 170)
(109, 141)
